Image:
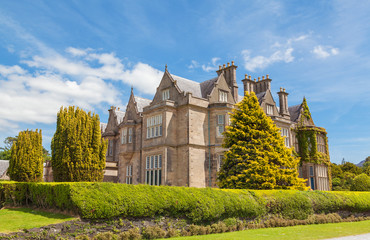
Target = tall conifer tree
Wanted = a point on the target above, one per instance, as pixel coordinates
(78, 151)
(257, 157)
(26, 162)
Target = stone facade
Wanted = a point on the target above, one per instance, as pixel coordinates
(175, 139)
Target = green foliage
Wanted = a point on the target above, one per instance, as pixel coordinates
(351, 168)
(78, 152)
(5, 153)
(26, 162)
(361, 183)
(257, 157)
(109, 200)
(344, 175)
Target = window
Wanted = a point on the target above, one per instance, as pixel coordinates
(130, 135)
(154, 126)
(110, 152)
(285, 135)
(166, 94)
(222, 96)
(270, 109)
(129, 174)
(153, 171)
(311, 171)
(320, 144)
(124, 136)
(220, 125)
(220, 162)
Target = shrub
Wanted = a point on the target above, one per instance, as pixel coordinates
(361, 183)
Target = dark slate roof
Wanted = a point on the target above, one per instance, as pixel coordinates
(260, 96)
(294, 112)
(187, 85)
(141, 103)
(206, 87)
(120, 115)
(103, 126)
(4, 164)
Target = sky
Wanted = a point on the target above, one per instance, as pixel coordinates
(89, 53)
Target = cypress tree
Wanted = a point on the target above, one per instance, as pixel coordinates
(26, 162)
(257, 157)
(78, 151)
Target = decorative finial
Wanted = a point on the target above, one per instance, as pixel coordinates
(166, 67)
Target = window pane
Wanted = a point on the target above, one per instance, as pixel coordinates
(151, 161)
(156, 162)
(160, 161)
(155, 177)
(160, 177)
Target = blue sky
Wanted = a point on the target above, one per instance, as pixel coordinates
(89, 54)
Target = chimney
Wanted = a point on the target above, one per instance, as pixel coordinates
(249, 84)
(264, 84)
(283, 102)
(229, 72)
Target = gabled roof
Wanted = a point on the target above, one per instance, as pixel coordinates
(141, 103)
(260, 96)
(4, 165)
(120, 115)
(206, 87)
(294, 112)
(187, 85)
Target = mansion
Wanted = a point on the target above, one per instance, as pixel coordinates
(176, 138)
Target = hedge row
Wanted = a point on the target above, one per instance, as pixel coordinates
(109, 200)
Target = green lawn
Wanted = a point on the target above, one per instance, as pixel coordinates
(306, 232)
(12, 220)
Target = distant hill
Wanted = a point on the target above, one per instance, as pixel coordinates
(360, 164)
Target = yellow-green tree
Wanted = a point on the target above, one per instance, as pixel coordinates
(78, 151)
(257, 157)
(26, 161)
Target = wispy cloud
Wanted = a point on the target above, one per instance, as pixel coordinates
(324, 51)
(212, 66)
(194, 64)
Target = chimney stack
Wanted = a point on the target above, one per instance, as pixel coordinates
(230, 77)
(283, 102)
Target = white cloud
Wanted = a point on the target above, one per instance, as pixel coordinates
(325, 51)
(194, 64)
(213, 66)
(261, 62)
(35, 94)
(281, 52)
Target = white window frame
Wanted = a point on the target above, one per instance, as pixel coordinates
(124, 136)
(269, 109)
(153, 170)
(222, 96)
(220, 128)
(129, 174)
(285, 135)
(154, 126)
(166, 94)
(130, 135)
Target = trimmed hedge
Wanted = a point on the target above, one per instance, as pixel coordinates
(109, 200)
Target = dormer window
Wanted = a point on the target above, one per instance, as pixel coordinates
(222, 96)
(269, 109)
(166, 94)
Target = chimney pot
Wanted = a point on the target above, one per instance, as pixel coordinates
(228, 64)
(246, 76)
(267, 76)
(219, 67)
(259, 78)
(250, 78)
(263, 77)
(254, 79)
(232, 63)
(224, 66)
(283, 89)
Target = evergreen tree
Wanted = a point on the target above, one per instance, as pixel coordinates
(78, 151)
(257, 157)
(26, 161)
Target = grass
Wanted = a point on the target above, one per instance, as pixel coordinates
(12, 220)
(305, 232)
